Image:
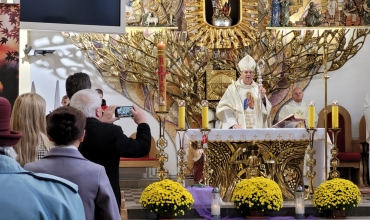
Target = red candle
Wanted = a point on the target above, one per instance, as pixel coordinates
(161, 48)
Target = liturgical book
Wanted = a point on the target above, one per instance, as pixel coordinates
(291, 121)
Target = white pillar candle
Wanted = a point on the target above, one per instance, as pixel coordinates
(215, 209)
(299, 209)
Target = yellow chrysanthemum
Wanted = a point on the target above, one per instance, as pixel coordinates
(257, 193)
(166, 196)
(338, 194)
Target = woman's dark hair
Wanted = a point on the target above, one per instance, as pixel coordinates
(65, 125)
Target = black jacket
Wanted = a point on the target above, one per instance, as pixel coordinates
(105, 143)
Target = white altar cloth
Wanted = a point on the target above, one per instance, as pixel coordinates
(270, 134)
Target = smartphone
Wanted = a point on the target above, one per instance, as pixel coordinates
(123, 111)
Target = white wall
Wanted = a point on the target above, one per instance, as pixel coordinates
(348, 85)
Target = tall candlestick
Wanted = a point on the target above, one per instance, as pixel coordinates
(311, 114)
(161, 48)
(334, 115)
(205, 122)
(181, 119)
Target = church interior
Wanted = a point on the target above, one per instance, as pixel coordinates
(320, 47)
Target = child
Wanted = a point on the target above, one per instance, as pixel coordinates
(103, 102)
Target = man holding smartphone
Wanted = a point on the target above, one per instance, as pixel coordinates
(80, 81)
(105, 143)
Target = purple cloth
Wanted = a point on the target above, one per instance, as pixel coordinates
(203, 199)
(202, 195)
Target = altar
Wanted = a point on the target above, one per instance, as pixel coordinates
(275, 153)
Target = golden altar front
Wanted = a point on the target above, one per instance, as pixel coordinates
(276, 153)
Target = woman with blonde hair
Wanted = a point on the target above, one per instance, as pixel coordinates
(28, 117)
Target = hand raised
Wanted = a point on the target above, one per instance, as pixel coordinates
(108, 114)
(138, 115)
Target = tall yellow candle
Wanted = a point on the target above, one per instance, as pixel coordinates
(181, 118)
(334, 115)
(204, 104)
(311, 114)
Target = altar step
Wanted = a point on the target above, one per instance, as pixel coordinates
(229, 212)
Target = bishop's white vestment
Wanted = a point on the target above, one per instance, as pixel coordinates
(242, 105)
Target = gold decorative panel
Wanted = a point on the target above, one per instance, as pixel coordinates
(231, 162)
(217, 82)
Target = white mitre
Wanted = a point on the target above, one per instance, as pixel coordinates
(247, 63)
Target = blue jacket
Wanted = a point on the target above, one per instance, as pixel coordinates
(26, 195)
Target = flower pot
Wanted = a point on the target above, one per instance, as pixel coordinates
(256, 214)
(165, 216)
(336, 214)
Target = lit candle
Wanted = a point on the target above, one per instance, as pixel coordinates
(311, 114)
(299, 208)
(334, 115)
(181, 119)
(215, 209)
(161, 48)
(204, 104)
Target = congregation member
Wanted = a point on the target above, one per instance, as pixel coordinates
(103, 102)
(65, 100)
(66, 128)
(80, 81)
(105, 143)
(27, 195)
(28, 117)
(77, 82)
(244, 104)
(296, 106)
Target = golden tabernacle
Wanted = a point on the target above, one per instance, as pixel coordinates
(274, 153)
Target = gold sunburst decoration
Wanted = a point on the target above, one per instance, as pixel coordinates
(210, 36)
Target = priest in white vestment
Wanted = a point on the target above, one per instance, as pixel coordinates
(244, 104)
(296, 106)
(367, 116)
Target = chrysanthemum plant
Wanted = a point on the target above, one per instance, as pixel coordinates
(336, 194)
(257, 193)
(166, 197)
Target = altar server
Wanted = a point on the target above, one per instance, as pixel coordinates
(244, 104)
(367, 116)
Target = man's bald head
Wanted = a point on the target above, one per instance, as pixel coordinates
(297, 94)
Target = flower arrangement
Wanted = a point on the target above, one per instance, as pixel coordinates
(166, 197)
(336, 194)
(257, 193)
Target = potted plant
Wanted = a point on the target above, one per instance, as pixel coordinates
(333, 197)
(166, 198)
(256, 195)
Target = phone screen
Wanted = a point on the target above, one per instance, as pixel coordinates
(123, 111)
